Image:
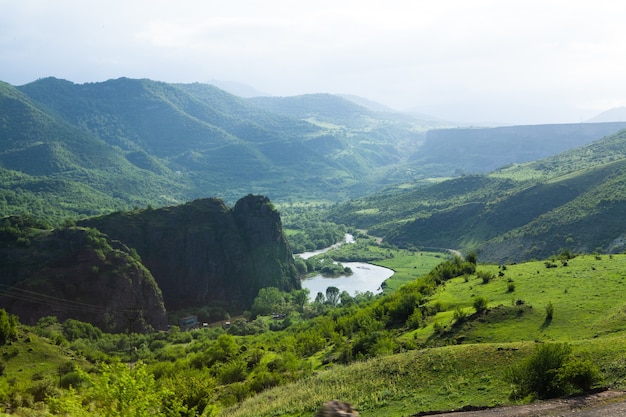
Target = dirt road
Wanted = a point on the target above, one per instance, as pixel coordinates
(602, 404)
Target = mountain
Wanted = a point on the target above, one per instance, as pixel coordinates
(77, 150)
(137, 263)
(481, 150)
(617, 114)
(575, 201)
(167, 143)
(237, 89)
(204, 252)
(50, 165)
(75, 273)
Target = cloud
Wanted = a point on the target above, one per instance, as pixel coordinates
(457, 57)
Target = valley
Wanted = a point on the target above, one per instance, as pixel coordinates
(129, 205)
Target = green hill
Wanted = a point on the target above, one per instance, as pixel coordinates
(482, 150)
(573, 201)
(85, 149)
(46, 161)
(204, 253)
(425, 347)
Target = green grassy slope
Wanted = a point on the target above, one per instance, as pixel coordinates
(571, 201)
(219, 140)
(48, 162)
(467, 363)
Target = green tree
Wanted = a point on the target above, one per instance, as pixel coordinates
(119, 391)
(269, 300)
(332, 295)
(8, 327)
(301, 297)
(472, 257)
(480, 304)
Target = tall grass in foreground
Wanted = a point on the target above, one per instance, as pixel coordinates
(431, 379)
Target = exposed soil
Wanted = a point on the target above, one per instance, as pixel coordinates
(605, 404)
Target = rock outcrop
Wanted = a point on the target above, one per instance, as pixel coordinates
(76, 273)
(205, 253)
(336, 408)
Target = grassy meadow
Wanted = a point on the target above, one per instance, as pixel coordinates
(468, 363)
(450, 358)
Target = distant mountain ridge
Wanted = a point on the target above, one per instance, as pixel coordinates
(175, 143)
(76, 150)
(617, 114)
(572, 201)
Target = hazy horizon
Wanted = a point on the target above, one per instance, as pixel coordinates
(526, 62)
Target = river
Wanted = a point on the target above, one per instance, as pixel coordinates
(365, 277)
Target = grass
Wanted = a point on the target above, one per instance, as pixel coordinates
(445, 378)
(408, 266)
(587, 297)
(404, 384)
(472, 369)
(32, 358)
(589, 314)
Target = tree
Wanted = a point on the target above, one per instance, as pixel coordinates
(472, 257)
(480, 304)
(269, 300)
(319, 298)
(346, 298)
(332, 295)
(118, 391)
(8, 327)
(301, 297)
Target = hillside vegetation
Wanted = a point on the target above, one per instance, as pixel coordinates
(454, 337)
(125, 143)
(574, 201)
(78, 150)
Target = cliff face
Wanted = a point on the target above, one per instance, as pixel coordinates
(77, 273)
(205, 253)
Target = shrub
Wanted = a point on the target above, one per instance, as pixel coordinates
(415, 320)
(537, 375)
(549, 311)
(510, 287)
(233, 371)
(485, 276)
(480, 304)
(460, 315)
(8, 327)
(579, 373)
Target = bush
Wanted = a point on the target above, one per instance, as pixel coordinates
(485, 276)
(460, 315)
(480, 304)
(549, 311)
(551, 372)
(8, 327)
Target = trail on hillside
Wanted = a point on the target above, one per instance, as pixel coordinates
(602, 404)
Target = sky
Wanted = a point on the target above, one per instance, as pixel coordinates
(471, 61)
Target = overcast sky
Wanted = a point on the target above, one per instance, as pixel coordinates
(531, 61)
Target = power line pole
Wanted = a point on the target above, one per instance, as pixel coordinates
(132, 315)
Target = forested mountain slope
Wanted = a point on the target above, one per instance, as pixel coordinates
(75, 150)
(575, 201)
(205, 253)
(77, 273)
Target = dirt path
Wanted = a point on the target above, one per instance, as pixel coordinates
(602, 404)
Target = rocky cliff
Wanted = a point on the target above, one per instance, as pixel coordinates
(205, 253)
(77, 273)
